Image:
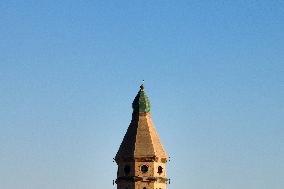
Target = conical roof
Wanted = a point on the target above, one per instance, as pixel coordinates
(141, 139)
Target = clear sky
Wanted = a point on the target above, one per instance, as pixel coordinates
(213, 70)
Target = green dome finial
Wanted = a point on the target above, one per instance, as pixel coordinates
(141, 102)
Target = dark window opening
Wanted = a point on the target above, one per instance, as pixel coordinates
(160, 169)
(144, 168)
(126, 169)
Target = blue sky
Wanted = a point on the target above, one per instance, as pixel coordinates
(213, 70)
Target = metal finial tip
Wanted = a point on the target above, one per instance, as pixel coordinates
(142, 87)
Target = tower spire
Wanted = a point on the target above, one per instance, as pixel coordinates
(141, 157)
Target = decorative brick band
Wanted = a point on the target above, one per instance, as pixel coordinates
(141, 179)
(141, 159)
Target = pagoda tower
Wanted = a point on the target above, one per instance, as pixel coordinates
(141, 157)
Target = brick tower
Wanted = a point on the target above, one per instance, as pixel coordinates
(141, 158)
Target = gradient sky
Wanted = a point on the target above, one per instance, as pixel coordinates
(213, 70)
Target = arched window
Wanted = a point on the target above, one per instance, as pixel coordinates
(126, 169)
(160, 169)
